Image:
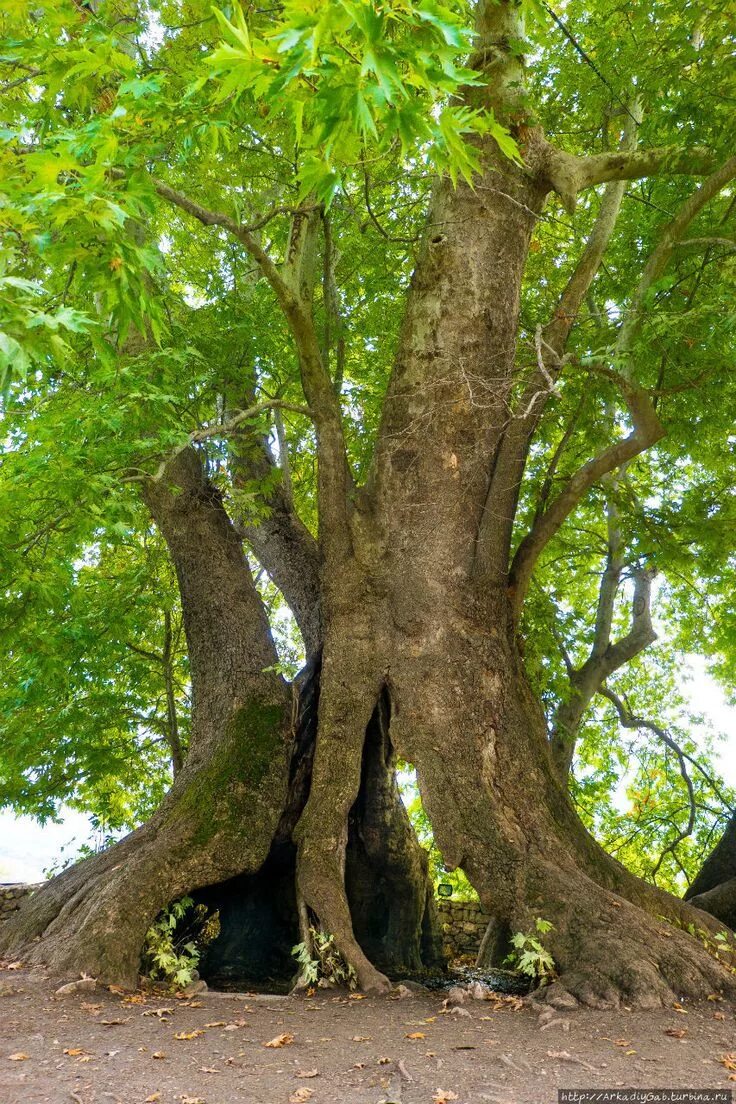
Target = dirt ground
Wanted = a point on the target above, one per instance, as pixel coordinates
(111, 1048)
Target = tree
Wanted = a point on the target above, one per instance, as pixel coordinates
(228, 208)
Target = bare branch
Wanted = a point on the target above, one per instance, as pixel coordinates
(334, 479)
(20, 80)
(244, 235)
(334, 330)
(707, 243)
(155, 657)
(284, 462)
(223, 429)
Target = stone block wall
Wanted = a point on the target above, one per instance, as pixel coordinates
(11, 896)
(463, 924)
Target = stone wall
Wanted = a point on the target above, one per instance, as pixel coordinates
(463, 924)
(11, 896)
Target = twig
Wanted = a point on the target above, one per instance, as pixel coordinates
(225, 428)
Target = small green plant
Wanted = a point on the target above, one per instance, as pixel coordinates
(174, 942)
(321, 963)
(530, 956)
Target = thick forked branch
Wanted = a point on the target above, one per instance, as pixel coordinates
(647, 430)
(289, 553)
(283, 544)
(292, 287)
(494, 539)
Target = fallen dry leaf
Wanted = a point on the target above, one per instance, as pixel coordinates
(444, 1096)
(89, 1007)
(719, 1015)
(361, 1038)
(158, 1054)
(12, 966)
(216, 1023)
(74, 1052)
(208, 1069)
(622, 1042)
(383, 1061)
(192, 1100)
(729, 1061)
(280, 1040)
(19, 1056)
(416, 1035)
(301, 1095)
(356, 996)
(676, 1032)
(678, 1008)
(154, 1096)
(115, 989)
(189, 1034)
(307, 1073)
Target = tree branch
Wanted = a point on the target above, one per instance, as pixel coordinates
(172, 722)
(494, 541)
(605, 657)
(219, 430)
(334, 479)
(669, 238)
(569, 174)
(646, 432)
(244, 235)
(647, 428)
(629, 720)
(281, 542)
(293, 288)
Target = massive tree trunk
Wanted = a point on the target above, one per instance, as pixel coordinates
(426, 606)
(232, 807)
